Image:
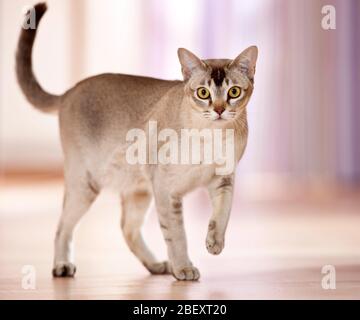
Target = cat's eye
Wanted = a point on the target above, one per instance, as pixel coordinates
(234, 92)
(203, 93)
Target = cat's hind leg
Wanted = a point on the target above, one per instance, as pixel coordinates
(80, 192)
(134, 205)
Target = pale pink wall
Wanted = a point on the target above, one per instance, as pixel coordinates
(29, 138)
(303, 116)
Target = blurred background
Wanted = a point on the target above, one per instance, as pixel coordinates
(303, 116)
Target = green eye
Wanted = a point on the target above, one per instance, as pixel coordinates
(203, 93)
(234, 92)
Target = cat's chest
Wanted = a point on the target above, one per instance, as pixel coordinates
(185, 178)
(181, 179)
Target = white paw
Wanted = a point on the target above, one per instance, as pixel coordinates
(214, 244)
(159, 268)
(189, 273)
(64, 269)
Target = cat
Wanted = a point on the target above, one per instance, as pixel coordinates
(94, 118)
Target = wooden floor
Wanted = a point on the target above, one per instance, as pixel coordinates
(275, 249)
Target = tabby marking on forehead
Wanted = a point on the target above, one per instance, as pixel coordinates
(218, 75)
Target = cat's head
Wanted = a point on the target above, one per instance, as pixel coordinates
(219, 89)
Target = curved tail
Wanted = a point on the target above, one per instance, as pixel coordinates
(31, 88)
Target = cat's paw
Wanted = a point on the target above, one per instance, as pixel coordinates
(214, 244)
(64, 269)
(189, 273)
(159, 267)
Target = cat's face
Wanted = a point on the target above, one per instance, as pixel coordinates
(219, 89)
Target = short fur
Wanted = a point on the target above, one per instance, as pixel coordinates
(95, 116)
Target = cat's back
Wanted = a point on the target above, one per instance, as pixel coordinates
(111, 102)
(110, 89)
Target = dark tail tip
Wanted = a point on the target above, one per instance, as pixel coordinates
(40, 9)
(32, 90)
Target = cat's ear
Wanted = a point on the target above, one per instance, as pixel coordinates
(190, 63)
(246, 61)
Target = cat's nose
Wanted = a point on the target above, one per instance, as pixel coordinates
(219, 110)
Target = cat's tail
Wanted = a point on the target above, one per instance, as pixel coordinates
(31, 88)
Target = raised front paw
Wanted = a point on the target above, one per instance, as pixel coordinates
(189, 273)
(64, 269)
(214, 242)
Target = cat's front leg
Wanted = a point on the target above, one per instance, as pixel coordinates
(172, 226)
(221, 193)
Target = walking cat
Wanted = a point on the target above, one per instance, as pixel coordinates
(94, 118)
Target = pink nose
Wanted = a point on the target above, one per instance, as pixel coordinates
(219, 110)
